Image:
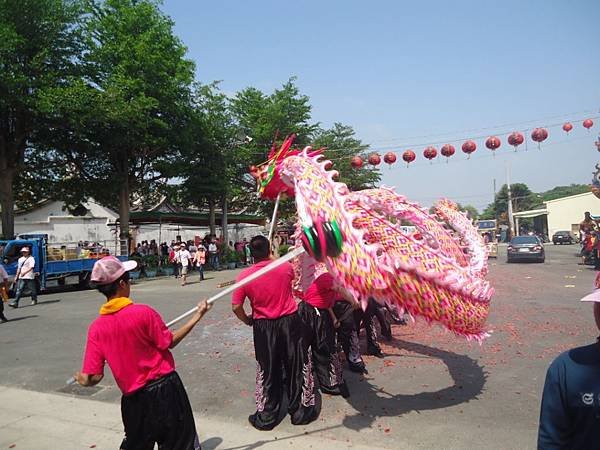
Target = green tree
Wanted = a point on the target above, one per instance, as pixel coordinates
(208, 165)
(564, 191)
(471, 210)
(126, 117)
(39, 50)
(266, 118)
(522, 197)
(262, 116)
(341, 145)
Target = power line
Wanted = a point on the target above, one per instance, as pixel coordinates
(475, 130)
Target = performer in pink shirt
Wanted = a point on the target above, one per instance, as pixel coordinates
(283, 359)
(317, 313)
(135, 342)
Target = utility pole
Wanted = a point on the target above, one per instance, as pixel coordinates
(511, 222)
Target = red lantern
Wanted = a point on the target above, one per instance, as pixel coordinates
(430, 153)
(515, 139)
(567, 127)
(389, 158)
(356, 162)
(539, 135)
(447, 150)
(588, 123)
(408, 156)
(469, 147)
(374, 159)
(492, 143)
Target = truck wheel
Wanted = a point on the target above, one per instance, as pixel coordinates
(62, 281)
(84, 280)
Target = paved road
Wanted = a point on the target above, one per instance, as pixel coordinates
(432, 390)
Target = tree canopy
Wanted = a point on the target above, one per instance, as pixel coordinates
(40, 48)
(124, 118)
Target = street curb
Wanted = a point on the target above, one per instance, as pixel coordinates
(31, 419)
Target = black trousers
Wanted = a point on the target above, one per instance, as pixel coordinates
(159, 413)
(2, 316)
(347, 332)
(283, 362)
(366, 319)
(322, 341)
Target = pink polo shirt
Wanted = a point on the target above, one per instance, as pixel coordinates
(134, 341)
(321, 293)
(270, 295)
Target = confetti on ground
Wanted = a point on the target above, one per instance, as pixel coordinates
(571, 276)
(569, 285)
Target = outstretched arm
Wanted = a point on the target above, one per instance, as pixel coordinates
(182, 332)
(86, 379)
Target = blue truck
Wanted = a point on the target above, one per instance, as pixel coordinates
(54, 262)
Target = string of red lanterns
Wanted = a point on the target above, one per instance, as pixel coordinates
(514, 139)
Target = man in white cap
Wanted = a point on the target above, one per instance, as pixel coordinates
(570, 413)
(135, 342)
(25, 277)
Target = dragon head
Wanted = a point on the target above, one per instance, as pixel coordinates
(267, 175)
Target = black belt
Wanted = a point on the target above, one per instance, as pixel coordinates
(154, 383)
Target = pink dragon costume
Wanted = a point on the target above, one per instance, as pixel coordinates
(428, 274)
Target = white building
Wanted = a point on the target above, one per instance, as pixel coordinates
(93, 222)
(88, 222)
(567, 213)
(564, 214)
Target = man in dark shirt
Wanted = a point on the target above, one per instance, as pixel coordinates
(570, 415)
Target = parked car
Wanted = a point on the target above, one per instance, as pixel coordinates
(562, 237)
(525, 248)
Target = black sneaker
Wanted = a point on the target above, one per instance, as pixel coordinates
(33, 302)
(13, 305)
(252, 420)
(3, 320)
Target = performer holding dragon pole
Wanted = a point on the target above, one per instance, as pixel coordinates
(135, 342)
(281, 344)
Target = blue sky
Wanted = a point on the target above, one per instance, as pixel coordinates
(407, 74)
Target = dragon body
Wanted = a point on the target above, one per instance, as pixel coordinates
(428, 274)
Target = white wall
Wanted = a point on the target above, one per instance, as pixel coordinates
(564, 213)
(61, 226)
(169, 233)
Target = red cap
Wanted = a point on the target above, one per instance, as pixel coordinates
(110, 269)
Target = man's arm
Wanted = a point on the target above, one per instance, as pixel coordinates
(241, 314)
(555, 426)
(179, 334)
(336, 322)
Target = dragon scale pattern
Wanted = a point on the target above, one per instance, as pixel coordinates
(430, 277)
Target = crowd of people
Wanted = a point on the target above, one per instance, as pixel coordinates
(186, 257)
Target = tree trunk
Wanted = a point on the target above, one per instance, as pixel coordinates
(212, 222)
(7, 202)
(124, 214)
(224, 220)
